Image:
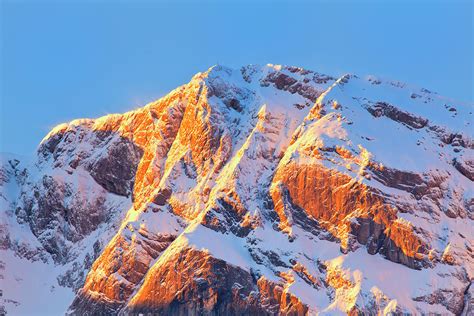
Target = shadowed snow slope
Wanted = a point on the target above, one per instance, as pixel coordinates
(264, 190)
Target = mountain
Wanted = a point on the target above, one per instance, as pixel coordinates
(264, 190)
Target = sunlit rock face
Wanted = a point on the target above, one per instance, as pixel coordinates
(260, 190)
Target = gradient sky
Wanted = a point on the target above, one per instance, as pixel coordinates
(61, 61)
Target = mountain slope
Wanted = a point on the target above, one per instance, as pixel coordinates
(269, 190)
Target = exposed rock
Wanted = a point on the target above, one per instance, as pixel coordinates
(195, 283)
(116, 170)
(382, 108)
(468, 301)
(466, 167)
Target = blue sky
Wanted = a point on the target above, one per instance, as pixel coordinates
(66, 60)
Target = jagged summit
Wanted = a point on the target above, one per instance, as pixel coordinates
(261, 190)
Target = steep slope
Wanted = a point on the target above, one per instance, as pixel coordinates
(269, 190)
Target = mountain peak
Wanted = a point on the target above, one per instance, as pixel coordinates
(266, 189)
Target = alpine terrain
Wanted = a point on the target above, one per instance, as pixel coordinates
(265, 190)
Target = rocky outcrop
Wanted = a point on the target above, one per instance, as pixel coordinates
(334, 202)
(116, 171)
(382, 108)
(126, 260)
(193, 282)
(465, 167)
(468, 301)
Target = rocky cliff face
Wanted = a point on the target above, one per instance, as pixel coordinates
(265, 190)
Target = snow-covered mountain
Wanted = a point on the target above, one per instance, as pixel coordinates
(264, 190)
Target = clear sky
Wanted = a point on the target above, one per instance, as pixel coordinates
(71, 59)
